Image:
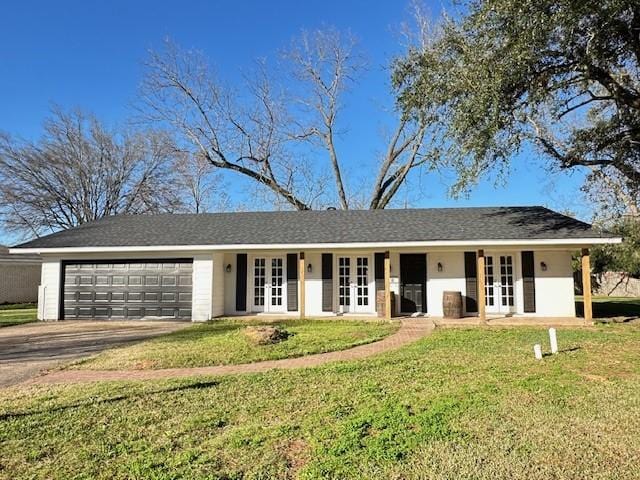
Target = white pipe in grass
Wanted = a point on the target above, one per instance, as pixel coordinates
(537, 350)
(553, 339)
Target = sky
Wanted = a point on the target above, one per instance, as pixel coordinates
(90, 54)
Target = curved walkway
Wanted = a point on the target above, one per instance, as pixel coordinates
(411, 329)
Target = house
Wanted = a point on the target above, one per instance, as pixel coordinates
(19, 277)
(314, 263)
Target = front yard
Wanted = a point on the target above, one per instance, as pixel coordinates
(462, 403)
(223, 342)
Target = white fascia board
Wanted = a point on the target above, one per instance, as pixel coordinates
(577, 242)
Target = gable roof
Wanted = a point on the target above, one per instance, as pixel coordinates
(323, 227)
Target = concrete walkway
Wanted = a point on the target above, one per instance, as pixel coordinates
(411, 329)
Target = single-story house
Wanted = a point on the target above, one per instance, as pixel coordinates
(19, 277)
(504, 261)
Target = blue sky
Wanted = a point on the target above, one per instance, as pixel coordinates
(90, 53)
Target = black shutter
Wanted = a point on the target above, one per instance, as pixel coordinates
(327, 282)
(292, 282)
(241, 282)
(528, 282)
(470, 273)
(379, 268)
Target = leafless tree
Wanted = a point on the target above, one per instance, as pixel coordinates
(200, 185)
(260, 131)
(80, 171)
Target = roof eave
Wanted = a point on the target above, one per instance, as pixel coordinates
(564, 242)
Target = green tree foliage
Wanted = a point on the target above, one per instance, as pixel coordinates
(624, 257)
(562, 75)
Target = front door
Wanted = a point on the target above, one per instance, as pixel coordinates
(353, 284)
(268, 284)
(413, 282)
(499, 283)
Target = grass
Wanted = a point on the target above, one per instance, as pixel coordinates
(17, 314)
(611, 308)
(222, 342)
(462, 403)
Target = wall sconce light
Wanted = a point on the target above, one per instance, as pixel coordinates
(543, 266)
(309, 268)
(228, 268)
(440, 268)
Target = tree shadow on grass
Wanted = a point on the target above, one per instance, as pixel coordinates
(197, 385)
(618, 311)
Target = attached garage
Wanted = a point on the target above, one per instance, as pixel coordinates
(127, 289)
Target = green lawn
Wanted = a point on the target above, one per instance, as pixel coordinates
(17, 314)
(222, 342)
(611, 308)
(460, 404)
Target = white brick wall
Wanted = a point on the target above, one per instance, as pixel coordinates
(202, 287)
(50, 280)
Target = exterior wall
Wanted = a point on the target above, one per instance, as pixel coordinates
(203, 280)
(49, 298)
(214, 288)
(217, 307)
(451, 278)
(19, 282)
(554, 287)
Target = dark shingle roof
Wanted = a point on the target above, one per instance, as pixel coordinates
(326, 226)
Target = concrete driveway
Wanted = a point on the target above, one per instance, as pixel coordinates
(26, 350)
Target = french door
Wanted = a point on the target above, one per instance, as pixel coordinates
(499, 283)
(354, 292)
(269, 284)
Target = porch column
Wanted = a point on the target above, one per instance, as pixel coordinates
(586, 285)
(301, 269)
(387, 285)
(481, 289)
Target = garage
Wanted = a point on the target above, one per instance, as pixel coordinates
(127, 289)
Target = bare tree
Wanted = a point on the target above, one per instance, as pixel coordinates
(200, 184)
(79, 171)
(260, 131)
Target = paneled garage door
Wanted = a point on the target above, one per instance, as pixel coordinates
(128, 289)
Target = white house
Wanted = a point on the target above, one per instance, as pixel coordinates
(314, 263)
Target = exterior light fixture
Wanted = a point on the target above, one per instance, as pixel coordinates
(228, 268)
(543, 266)
(440, 268)
(309, 268)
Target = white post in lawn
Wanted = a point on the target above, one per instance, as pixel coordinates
(553, 340)
(537, 350)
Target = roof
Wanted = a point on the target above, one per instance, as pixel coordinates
(323, 227)
(6, 257)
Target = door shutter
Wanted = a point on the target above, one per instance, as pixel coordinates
(528, 282)
(292, 282)
(471, 279)
(327, 282)
(241, 282)
(379, 271)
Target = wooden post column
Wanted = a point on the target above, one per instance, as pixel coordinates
(301, 273)
(481, 290)
(387, 286)
(586, 286)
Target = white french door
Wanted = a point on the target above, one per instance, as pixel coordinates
(499, 283)
(269, 285)
(354, 292)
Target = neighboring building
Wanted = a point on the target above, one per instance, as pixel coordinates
(314, 263)
(19, 277)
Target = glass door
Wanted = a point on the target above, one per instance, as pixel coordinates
(353, 284)
(276, 303)
(268, 284)
(499, 283)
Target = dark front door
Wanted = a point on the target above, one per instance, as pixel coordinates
(413, 282)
